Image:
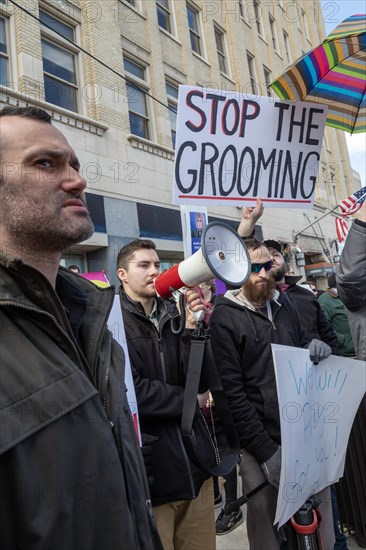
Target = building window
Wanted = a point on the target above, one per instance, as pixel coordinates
(59, 63)
(304, 24)
(133, 3)
(172, 93)
(287, 46)
(137, 99)
(273, 33)
(164, 15)
(241, 8)
(4, 54)
(194, 29)
(251, 70)
(258, 17)
(220, 46)
(267, 80)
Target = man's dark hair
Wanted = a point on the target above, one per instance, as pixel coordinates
(252, 244)
(74, 267)
(126, 253)
(26, 112)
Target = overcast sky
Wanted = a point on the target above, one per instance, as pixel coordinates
(335, 11)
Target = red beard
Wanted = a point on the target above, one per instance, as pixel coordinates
(259, 293)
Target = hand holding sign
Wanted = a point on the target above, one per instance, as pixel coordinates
(317, 406)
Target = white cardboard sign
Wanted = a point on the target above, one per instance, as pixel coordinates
(117, 327)
(317, 407)
(233, 148)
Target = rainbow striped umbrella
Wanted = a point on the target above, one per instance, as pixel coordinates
(333, 73)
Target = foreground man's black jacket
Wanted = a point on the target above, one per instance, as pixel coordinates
(71, 472)
(159, 360)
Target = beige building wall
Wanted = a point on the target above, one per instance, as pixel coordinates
(120, 165)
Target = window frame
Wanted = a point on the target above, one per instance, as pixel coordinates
(253, 77)
(258, 19)
(241, 9)
(7, 54)
(286, 42)
(267, 80)
(168, 10)
(173, 103)
(222, 55)
(272, 27)
(142, 85)
(50, 36)
(197, 33)
(304, 25)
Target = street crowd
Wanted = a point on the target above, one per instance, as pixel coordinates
(72, 473)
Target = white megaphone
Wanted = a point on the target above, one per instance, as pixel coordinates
(222, 254)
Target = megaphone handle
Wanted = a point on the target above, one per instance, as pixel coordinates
(198, 315)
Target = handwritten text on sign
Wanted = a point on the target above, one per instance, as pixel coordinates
(317, 407)
(231, 149)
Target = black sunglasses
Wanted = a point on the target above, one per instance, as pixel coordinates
(256, 268)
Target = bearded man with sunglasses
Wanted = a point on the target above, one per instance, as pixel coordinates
(243, 325)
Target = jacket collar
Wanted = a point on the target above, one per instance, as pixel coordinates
(292, 279)
(238, 297)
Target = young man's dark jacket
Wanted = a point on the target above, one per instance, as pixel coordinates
(241, 339)
(311, 315)
(71, 472)
(159, 359)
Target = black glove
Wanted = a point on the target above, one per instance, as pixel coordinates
(147, 451)
(318, 351)
(272, 468)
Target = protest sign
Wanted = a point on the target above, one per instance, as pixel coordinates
(233, 148)
(116, 326)
(317, 405)
(194, 220)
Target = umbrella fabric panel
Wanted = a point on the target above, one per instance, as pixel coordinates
(334, 74)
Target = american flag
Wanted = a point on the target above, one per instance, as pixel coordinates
(341, 229)
(353, 203)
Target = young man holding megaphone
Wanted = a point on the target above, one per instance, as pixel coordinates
(181, 494)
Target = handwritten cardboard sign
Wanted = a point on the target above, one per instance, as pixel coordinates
(233, 148)
(117, 327)
(317, 407)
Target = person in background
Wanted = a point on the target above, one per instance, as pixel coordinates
(181, 494)
(71, 470)
(351, 286)
(311, 315)
(243, 325)
(74, 268)
(336, 314)
(351, 281)
(289, 270)
(311, 285)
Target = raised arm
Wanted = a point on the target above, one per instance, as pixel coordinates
(249, 218)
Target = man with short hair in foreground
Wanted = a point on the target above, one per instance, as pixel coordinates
(181, 493)
(243, 325)
(71, 472)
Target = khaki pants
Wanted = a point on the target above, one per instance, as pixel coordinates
(261, 510)
(188, 524)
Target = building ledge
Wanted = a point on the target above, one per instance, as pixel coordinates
(151, 147)
(17, 99)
